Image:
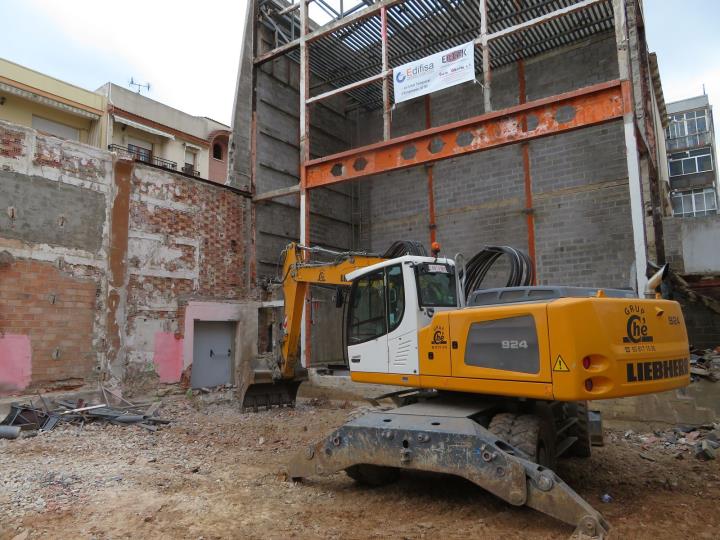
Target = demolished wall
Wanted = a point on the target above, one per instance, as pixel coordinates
(101, 259)
(691, 248)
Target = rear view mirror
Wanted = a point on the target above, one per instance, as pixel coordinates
(339, 297)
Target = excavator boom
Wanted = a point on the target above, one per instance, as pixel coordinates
(279, 386)
(298, 274)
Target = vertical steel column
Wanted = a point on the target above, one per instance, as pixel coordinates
(431, 189)
(525, 148)
(385, 67)
(304, 158)
(485, 55)
(252, 269)
(631, 148)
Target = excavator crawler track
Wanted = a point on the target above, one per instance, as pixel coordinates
(442, 437)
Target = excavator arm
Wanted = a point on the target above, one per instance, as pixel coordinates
(298, 274)
(263, 387)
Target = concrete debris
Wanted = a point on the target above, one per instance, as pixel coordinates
(32, 418)
(680, 441)
(705, 364)
(705, 451)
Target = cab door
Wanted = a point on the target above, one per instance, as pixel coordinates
(402, 322)
(505, 343)
(367, 324)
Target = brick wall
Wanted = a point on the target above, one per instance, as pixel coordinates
(185, 242)
(56, 312)
(98, 260)
(54, 206)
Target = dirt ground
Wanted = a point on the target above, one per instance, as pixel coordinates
(215, 473)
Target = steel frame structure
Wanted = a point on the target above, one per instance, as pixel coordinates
(592, 105)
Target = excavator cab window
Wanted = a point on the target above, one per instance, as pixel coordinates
(436, 285)
(396, 296)
(366, 318)
(377, 305)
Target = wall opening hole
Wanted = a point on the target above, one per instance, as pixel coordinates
(408, 152)
(337, 169)
(405, 443)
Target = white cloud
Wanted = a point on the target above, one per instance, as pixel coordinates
(188, 50)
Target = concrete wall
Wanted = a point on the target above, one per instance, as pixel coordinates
(276, 223)
(579, 179)
(691, 248)
(691, 244)
(101, 260)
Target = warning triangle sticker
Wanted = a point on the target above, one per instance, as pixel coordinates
(560, 365)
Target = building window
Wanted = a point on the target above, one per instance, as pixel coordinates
(217, 151)
(696, 202)
(141, 150)
(190, 163)
(688, 129)
(56, 128)
(690, 162)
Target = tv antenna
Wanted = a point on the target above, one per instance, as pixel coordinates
(140, 86)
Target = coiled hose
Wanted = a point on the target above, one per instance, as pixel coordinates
(521, 268)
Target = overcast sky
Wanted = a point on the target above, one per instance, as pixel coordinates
(188, 50)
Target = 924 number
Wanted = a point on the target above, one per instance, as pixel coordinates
(514, 344)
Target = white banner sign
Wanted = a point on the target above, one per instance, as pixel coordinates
(434, 72)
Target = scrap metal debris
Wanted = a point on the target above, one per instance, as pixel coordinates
(47, 414)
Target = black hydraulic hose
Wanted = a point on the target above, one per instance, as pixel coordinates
(405, 247)
(521, 268)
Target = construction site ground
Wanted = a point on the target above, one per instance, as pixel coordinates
(217, 473)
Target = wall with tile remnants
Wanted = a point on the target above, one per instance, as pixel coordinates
(54, 202)
(184, 243)
(99, 259)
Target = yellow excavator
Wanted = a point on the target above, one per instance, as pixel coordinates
(497, 380)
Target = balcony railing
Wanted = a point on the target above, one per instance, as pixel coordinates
(189, 169)
(689, 141)
(144, 156)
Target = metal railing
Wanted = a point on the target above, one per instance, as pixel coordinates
(189, 169)
(144, 156)
(689, 141)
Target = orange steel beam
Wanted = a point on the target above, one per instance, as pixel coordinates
(588, 106)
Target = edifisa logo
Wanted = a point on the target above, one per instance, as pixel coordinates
(400, 78)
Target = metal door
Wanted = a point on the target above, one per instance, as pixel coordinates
(212, 353)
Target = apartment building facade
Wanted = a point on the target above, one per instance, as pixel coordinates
(52, 106)
(692, 159)
(112, 117)
(159, 135)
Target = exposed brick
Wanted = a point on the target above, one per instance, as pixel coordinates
(65, 326)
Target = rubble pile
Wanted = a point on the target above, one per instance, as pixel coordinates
(705, 364)
(44, 415)
(701, 442)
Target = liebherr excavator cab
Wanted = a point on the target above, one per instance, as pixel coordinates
(408, 325)
(497, 380)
